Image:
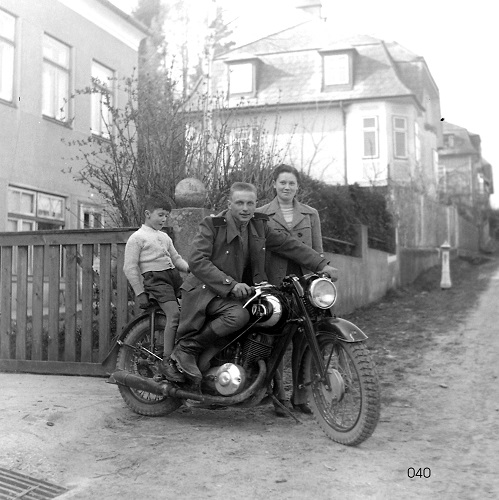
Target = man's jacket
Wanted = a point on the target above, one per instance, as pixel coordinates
(217, 264)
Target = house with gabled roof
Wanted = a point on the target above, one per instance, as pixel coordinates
(465, 177)
(357, 110)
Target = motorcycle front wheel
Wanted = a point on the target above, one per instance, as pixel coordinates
(137, 361)
(347, 407)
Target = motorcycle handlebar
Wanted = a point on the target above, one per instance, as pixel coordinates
(258, 289)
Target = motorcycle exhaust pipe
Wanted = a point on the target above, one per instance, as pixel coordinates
(122, 377)
(222, 400)
(137, 382)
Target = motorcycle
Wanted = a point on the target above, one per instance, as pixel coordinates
(336, 368)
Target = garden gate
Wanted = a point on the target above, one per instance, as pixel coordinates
(63, 296)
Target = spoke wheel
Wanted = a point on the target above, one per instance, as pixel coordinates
(137, 361)
(347, 408)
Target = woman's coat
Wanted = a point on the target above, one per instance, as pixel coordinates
(306, 227)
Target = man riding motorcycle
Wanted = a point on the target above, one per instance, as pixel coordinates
(228, 257)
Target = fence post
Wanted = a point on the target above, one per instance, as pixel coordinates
(445, 281)
(361, 243)
(5, 301)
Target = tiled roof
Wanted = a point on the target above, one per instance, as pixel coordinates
(290, 70)
(462, 141)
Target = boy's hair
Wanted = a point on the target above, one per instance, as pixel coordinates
(241, 186)
(285, 168)
(155, 201)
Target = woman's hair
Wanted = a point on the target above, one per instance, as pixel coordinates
(156, 201)
(283, 168)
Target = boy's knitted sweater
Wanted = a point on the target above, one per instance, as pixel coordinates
(150, 250)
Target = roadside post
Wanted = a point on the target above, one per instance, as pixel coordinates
(445, 282)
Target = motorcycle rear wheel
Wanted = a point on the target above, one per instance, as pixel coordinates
(142, 402)
(349, 413)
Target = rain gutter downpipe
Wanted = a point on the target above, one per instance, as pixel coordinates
(343, 120)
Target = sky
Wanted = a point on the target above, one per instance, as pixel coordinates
(456, 39)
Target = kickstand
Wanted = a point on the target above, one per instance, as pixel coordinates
(276, 401)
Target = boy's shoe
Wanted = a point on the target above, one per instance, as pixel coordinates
(168, 369)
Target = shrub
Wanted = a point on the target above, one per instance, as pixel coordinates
(341, 208)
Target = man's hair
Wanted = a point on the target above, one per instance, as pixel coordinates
(242, 186)
(155, 201)
(283, 168)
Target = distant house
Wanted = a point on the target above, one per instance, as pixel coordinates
(48, 50)
(359, 110)
(465, 177)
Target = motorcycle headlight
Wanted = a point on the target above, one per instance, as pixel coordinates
(322, 293)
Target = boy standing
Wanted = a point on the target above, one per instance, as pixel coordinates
(150, 252)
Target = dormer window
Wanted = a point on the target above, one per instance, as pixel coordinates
(337, 70)
(449, 141)
(242, 77)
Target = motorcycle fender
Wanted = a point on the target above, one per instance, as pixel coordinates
(345, 330)
(109, 362)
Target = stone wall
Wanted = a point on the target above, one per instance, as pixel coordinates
(364, 278)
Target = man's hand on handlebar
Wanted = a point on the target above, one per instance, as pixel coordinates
(331, 271)
(241, 291)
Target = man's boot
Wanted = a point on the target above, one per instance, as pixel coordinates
(169, 370)
(186, 352)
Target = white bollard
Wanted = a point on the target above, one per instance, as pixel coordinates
(445, 281)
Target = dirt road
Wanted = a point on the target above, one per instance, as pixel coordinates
(440, 414)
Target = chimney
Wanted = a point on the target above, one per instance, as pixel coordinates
(312, 7)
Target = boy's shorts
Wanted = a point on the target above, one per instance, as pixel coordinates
(163, 285)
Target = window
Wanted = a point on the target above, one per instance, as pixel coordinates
(7, 38)
(91, 217)
(400, 137)
(17, 225)
(417, 142)
(441, 171)
(481, 184)
(30, 210)
(21, 201)
(50, 207)
(242, 78)
(102, 99)
(242, 145)
(242, 138)
(56, 57)
(336, 69)
(449, 141)
(370, 131)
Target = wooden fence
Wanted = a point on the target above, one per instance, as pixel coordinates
(63, 296)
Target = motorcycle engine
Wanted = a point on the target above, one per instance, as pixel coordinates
(228, 379)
